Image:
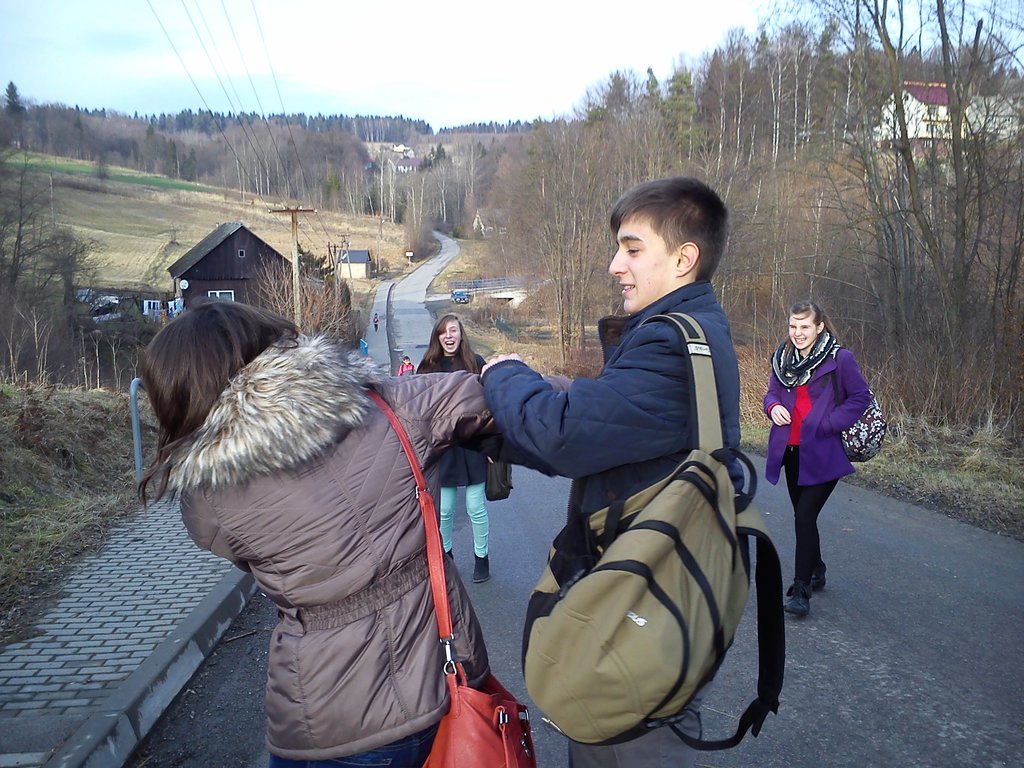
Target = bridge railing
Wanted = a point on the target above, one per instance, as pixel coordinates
(485, 284)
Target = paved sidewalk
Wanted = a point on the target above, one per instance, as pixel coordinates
(135, 621)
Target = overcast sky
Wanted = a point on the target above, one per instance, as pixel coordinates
(448, 63)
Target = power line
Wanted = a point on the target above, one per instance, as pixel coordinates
(242, 168)
(284, 112)
(202, 98)
(252, 140)
(252, 84)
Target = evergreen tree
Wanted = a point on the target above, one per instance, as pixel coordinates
(679, 109)
(12, 101)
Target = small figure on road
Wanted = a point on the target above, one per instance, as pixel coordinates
(376, 321)
(449, 350)
(406, 366)
(618, 433)
(815, 391)
(268, 439)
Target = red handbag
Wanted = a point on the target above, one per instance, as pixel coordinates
(485, 727)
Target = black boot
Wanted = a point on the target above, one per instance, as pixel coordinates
(482, 569)
(799, 603)
(818, 578)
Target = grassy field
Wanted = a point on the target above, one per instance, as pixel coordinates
(142, 224)
(69, 167)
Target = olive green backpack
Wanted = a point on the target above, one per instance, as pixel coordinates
(640, 601)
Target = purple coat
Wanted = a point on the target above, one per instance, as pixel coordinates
(822, 457)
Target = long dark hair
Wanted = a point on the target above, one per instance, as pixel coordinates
(465, 358)
(190, 361)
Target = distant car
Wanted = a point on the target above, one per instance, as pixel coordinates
(460, 297)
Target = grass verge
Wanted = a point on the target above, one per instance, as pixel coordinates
(976, 478)
(66, 477)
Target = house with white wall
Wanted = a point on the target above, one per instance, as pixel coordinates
(926, 108)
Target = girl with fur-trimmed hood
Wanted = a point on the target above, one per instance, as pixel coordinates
(284, 465)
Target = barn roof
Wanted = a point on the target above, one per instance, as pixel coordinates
(203, 248)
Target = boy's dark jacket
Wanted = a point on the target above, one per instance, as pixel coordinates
(632, 424)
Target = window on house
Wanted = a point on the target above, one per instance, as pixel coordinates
(229, 295)
(241, 253)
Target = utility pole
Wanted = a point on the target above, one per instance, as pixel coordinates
(346, 243)
(380, 236)
(295, 255)
(332, 259)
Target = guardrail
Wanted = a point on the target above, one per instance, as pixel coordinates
(485, 284)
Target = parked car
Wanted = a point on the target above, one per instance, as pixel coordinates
(460, 297)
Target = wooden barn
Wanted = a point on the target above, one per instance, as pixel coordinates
(227, 263)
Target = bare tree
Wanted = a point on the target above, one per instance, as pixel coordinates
(326, 303)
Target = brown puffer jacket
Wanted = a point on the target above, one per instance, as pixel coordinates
(297, 476)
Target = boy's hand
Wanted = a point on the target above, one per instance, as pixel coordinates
(495, 359)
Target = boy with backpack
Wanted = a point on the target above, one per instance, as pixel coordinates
(632, 425)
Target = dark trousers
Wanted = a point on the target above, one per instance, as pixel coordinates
(655, 749)
(807, 503)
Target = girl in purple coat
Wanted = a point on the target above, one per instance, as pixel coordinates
(815, 391)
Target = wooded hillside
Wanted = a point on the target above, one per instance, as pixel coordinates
(911, 239)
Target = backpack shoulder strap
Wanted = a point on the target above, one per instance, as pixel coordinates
(771, 635)
(705, 391)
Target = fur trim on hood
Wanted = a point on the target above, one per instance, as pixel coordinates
(282, 409)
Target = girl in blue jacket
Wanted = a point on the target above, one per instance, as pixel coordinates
(815, 391)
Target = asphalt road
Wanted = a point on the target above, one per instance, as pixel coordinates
(910, 657)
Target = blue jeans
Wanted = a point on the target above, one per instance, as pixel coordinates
(410, 752)
(477, 511)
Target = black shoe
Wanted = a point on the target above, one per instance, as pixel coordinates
(482, 569)
(818, 578)
(799, 603)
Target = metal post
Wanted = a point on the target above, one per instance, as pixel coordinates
(136, 427)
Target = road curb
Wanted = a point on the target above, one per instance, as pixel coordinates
(109, 737)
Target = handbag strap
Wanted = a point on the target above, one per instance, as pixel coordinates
(435, 558)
